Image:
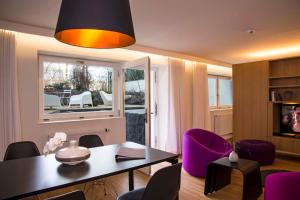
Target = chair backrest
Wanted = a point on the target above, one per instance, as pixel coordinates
(76, 195)
(282, 185)
(209, 139)
(90, 141)
(86, 97)
(21, 150)
(165, 184)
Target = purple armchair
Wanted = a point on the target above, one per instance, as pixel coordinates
(282, 185)
(200, 147)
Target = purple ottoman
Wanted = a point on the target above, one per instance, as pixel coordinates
(257, 150)
(283, 185)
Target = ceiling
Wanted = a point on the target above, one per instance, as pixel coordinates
(211, 29)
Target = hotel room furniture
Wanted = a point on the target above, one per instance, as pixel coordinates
(30, 176)
(257, 150)
(82, 99)
(163, 185)
(75, 195)
(255, 115)
(19, 150)
(90, 141)
(282, 185)
(106, 98)
(200, 147)
(52, 101)
(219, 175)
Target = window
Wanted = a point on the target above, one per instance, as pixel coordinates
(220, 91)
(70, 88)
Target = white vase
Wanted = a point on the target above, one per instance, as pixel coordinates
(233, 157)
(73, 154)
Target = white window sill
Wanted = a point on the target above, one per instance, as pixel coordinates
(55, 121)
(218, 109)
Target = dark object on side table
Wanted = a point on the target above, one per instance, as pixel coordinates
(219, 175)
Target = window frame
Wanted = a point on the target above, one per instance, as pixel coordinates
(116, 67)
(216, 93)
(218, 77)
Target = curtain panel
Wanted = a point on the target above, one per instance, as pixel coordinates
(188, 101)
(10, 130)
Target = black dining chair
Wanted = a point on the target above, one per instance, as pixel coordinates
(19, 150)
(90, 141)
(164, 185)
(76, 195)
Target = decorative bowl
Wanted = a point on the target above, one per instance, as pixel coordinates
(73, 154)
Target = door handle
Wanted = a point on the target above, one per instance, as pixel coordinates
(146, 115)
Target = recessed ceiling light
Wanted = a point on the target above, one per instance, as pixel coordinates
(251, 31)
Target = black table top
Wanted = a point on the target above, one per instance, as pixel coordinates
(242, 165)
(29, 176)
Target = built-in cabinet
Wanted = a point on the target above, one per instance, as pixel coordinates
(259, 89)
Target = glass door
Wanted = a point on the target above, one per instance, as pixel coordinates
(137, 101)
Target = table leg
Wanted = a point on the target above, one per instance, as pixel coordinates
(130, 180)
(217, 177)
(173, 161)
(252, 187)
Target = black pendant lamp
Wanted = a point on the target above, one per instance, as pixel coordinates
(95, 23)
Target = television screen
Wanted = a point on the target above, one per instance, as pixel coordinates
(290, 118)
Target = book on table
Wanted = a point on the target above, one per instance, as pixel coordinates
(126, 153)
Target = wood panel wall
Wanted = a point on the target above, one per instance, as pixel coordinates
(250, 100)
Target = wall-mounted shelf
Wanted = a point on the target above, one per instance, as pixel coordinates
(287, 102)
(284, 86)
(281, 77)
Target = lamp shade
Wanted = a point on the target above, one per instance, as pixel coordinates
(95, 23)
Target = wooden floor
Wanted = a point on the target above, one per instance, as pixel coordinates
(191, 188)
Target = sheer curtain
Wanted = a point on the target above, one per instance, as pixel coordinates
(188, 101)
(10, 130)
(201, 112)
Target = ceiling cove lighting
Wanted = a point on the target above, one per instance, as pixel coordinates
(275, 52)
(95, 23)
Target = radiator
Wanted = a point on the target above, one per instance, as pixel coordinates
(223, 124)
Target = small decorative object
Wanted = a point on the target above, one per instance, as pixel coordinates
(273, 96)
(55, 142)
(233, 157)
(288, 95)
(73, 154)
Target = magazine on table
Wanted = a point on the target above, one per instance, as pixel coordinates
(126, 153)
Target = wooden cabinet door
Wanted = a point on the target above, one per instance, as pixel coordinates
(250, 100)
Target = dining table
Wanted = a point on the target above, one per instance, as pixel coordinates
(26, 177)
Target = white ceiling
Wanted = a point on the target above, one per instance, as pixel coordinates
(212, 29)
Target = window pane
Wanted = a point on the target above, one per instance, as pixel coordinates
(212, 89)
(73, 88)
(225, 92)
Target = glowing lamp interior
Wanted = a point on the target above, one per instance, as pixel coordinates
(92, 38)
